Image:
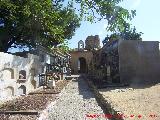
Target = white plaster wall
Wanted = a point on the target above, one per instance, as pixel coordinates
(32, 65)
(16, 63)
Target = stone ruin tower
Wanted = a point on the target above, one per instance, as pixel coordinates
(92, 42)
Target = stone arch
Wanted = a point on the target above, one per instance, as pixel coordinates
(22, 74)
(8, 72)
(82, 65)
(75, 55)
(22, 90)
(9, 91)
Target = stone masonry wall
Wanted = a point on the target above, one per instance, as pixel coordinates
(92, 42)
(139, 62)
(75, 55)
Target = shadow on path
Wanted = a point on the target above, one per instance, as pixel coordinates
(83, 88)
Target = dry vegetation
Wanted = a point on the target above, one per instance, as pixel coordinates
(37, 101)
(143, 101)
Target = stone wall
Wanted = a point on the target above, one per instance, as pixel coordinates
(139, 62)
(75, 55)
(92, 42)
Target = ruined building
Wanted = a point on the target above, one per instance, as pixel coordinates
(92, 43)
(81, 57)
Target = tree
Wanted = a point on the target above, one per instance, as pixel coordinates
(33, 22)
(63, 47)
(48, 23)
(110, 10)
(127, 34)
(130, 34)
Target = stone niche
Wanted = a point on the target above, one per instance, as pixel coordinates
(22, 90)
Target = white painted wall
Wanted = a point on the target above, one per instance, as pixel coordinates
(10, 65)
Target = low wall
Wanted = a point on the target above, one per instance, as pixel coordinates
(107, 108)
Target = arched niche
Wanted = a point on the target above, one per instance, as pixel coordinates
(7, 73)
(22, 74)
(22, 90)
(9, 91)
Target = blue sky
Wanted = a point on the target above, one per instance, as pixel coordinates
(147, 21)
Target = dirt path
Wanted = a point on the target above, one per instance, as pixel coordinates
(74, 103)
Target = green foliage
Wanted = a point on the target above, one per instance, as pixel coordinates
(127, 34)
(49, 23)
(64, 47)
(95, 10)
(130, 34)
(33, 22)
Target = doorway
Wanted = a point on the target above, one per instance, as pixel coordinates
(82, 65)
